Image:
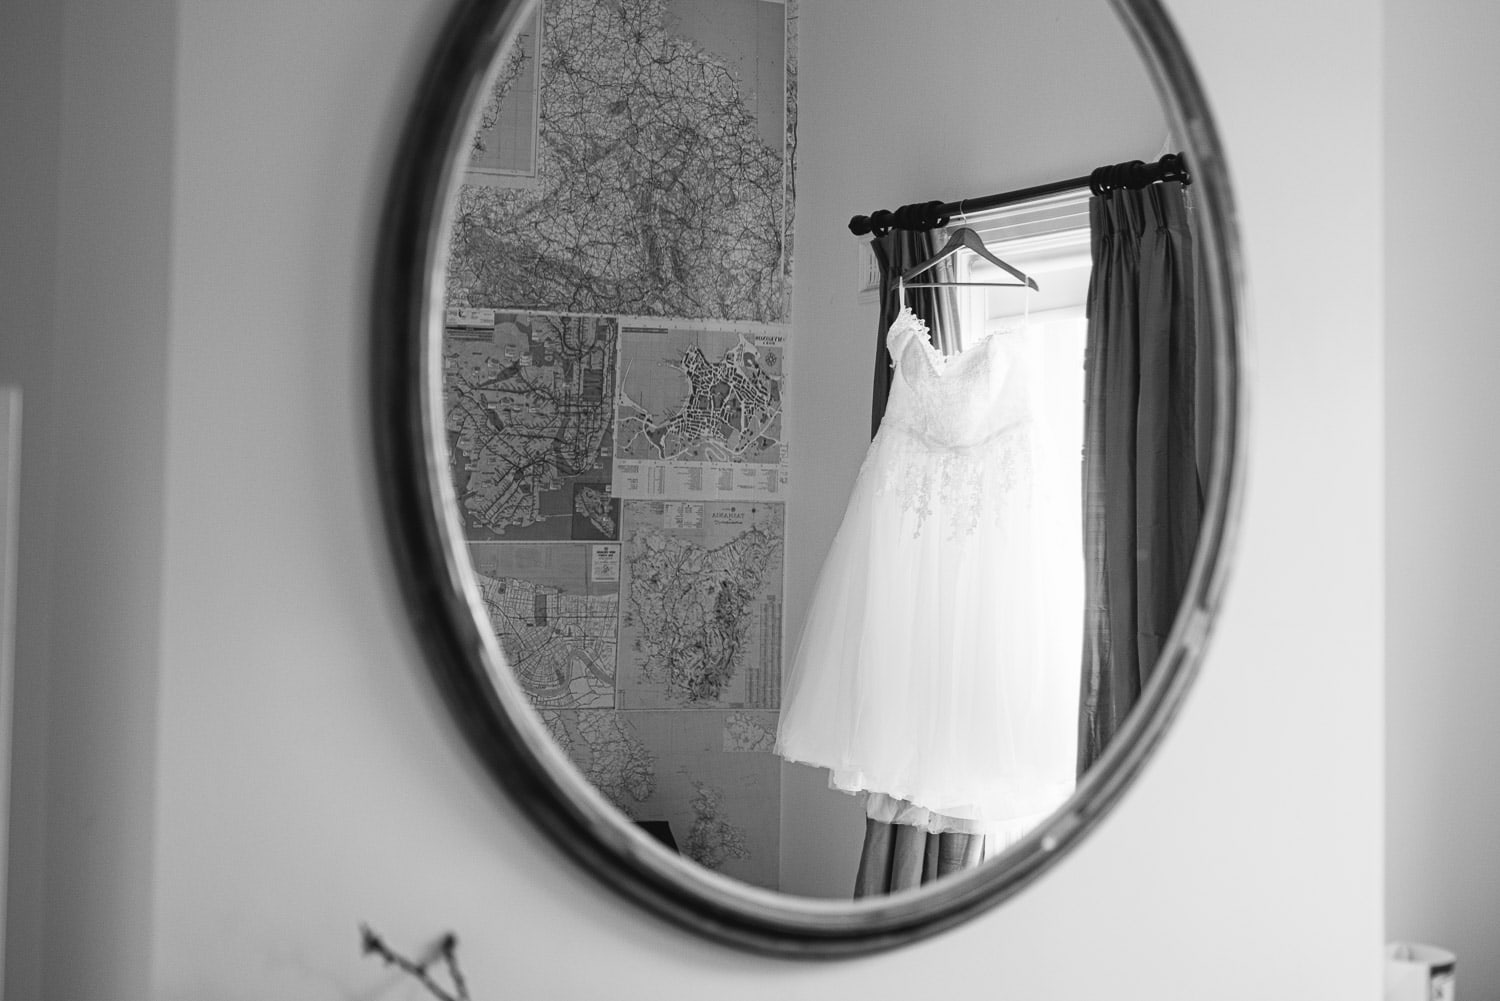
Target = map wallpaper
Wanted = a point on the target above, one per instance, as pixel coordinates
(614, 377)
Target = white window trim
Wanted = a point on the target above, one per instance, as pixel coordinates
(1037, 236)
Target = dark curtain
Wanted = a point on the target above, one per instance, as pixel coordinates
(894, 253)
(1142, 499)
(902, 857)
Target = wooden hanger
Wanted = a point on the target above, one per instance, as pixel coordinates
(965, 238)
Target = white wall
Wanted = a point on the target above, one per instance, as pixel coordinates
(1442, 355)
(964, 118)
(305, 777)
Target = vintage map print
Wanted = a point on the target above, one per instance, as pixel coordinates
(701, 620)
(699, 413)
(530, 419)
(662, 180)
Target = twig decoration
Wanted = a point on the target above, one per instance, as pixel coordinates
(446, 950)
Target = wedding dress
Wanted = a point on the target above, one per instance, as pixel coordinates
(931, 672)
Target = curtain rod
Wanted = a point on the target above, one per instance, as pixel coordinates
(1113, 177)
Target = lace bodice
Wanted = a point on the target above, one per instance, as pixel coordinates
(957, 429)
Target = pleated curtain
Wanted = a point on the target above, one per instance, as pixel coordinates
(902, 857)
(1142, 499)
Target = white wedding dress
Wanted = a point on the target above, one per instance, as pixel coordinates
(931, 672)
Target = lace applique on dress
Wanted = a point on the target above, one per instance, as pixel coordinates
(965, 482)
(950, 439)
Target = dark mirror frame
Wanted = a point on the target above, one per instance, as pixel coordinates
(420, 509)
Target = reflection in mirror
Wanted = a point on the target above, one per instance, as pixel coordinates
(810, 662)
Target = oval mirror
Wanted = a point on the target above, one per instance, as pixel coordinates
(786, 685)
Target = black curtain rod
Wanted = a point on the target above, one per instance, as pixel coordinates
(1113, 177)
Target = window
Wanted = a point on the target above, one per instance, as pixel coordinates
(1050, 242)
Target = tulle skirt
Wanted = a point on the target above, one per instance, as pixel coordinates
(938, 665)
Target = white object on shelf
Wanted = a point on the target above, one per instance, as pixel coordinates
(1418, 972)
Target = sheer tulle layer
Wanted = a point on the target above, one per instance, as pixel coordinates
(924, 670)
